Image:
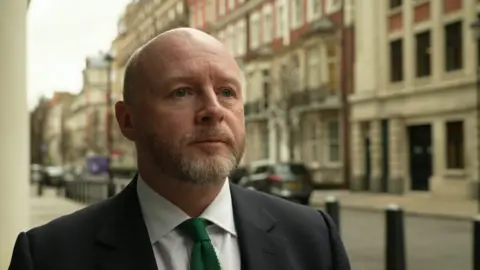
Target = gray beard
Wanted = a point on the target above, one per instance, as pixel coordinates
(213, 169)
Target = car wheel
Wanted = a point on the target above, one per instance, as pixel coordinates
(304, 201)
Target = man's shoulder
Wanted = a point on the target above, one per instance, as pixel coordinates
(78, 224)
(288, 213)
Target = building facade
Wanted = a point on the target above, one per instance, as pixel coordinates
(413, 113)
(86, 122)
(290, 53)
(55, 137)
(141, 21)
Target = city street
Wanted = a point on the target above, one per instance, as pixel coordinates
(432, 243)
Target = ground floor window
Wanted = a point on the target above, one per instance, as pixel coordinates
(333, 130)
(455, 145)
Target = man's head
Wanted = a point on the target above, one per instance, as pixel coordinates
(183, 107)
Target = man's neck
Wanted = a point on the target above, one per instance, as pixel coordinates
(191, 198)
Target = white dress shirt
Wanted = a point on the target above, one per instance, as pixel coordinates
(171, 248)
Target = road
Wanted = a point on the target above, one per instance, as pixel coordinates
(432, 243)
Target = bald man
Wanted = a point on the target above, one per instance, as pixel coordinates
(183, 109)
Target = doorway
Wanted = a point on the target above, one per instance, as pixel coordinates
(420, 150)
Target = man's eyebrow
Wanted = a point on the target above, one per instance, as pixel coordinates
(179, 78)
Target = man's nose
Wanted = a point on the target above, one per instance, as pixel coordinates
(211, 110)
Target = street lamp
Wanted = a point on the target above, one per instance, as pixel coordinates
(111, 186)
(476, 29)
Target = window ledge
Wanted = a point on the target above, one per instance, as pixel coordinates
(455, 173)
(395, 10)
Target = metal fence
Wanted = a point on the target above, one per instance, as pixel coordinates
(90, 191)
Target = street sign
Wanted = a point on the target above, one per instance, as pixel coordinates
(97, 165)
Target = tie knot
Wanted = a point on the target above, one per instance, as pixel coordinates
(195, 228)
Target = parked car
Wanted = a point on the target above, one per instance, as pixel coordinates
(238, 174)
(54, 176)
(37, 173)
(292, 181)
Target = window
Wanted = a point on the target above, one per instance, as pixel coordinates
(298, 15)
(333, 141)
(455, 145)
(313, 67)
(241, 38)
(267, 27)
(314, 9)
(179, 7)
(229, 39)
(171, 14)
(333, 6)
(221, 7)
(280, 19)
(423, 53)
(210, 13)
(231, 4)
(254, 31)
(332, 60)
(395, 4)
(315, 151)
(453, 46)
(396, 61)
(221, 36)
(266, 88)
(265, 142)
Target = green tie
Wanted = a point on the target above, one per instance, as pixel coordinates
(203, 254)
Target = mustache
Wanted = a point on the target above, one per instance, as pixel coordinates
(211, 134)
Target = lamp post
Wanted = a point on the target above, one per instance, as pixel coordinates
(476, 29)
(111, 187)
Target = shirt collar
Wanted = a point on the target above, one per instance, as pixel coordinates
(161, 216)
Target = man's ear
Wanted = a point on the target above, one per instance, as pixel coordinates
(124, 116)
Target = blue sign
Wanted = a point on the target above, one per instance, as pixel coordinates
(97, 165)
(44, 147)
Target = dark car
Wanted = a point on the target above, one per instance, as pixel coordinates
(238, 174)
(53, 176)
(292, 181)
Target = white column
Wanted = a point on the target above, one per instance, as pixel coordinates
(397, 149)
(358, 155)
(470, 44)
(438, 48)
(408, 43)
(376, 155)
(272, 140)
(14, 138)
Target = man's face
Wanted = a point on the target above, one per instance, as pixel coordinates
(190, 120)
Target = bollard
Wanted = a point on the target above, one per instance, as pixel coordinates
(395, 239)
(332, 207)
(476, 243)
(40, 189)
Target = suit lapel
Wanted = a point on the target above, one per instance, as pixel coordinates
(123, 241)
(261, 247)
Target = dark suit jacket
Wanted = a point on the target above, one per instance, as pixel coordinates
(273, 235)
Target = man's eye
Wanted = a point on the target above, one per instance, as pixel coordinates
(180, 92)
(226, 92)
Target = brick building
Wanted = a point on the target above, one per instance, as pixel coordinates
(291, 54)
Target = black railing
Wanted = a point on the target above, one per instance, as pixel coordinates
(255, 107)
(309, 96)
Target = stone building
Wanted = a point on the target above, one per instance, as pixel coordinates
(414, 116)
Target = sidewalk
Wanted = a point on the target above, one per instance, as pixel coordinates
(413, 204)
(49, 206)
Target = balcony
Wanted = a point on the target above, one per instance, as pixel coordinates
(256, 110)
(181, 20)
(314, 98)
